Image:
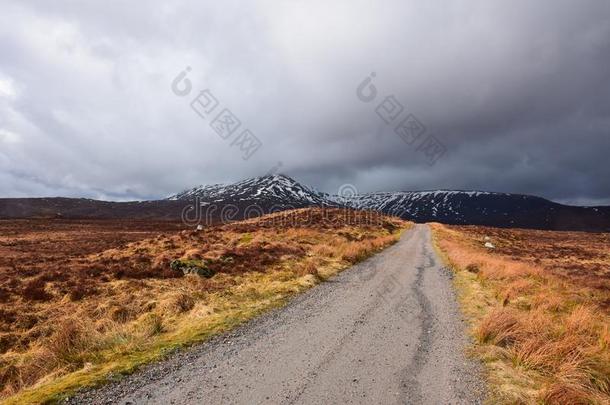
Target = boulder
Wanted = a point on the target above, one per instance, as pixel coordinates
(197, 267)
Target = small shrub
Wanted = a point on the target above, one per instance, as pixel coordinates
(9, 377)
(350, 237)
(120, 314)
(194, 254)
(7, 341)
(162, 260)
(473, 268)
(354, 253)
(246, 238)
(34, 291)
(70, 342)
(389, 226)
(325, 250)
(80, 291)
(561, 393)
(4, 294)
(95, 271)
(179, 302)
(8, 316)
(499, 327)
(308, 268)
(151, 324)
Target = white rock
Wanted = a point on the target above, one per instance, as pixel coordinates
(489, 245)
(487, 238)
(200, 227)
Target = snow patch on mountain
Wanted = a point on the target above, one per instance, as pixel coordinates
(275, 189)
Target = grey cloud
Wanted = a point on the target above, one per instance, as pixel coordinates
(516, 90)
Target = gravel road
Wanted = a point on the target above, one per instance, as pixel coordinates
(386, 331)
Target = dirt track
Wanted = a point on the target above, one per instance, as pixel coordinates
(386, 331)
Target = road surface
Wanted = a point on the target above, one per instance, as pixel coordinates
(387, 331)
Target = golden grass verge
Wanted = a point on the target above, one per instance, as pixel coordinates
(543, 337)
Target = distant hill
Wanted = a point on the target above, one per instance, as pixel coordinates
(262, 195)
(84, 208)
(485, 208)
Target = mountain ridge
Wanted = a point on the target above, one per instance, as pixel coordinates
(278, 192)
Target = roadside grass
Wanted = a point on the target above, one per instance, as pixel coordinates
(129, 322)
(543, 335)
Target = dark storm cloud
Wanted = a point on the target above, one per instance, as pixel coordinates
(517, 91)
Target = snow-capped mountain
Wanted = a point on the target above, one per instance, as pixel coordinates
(278, 191)
(445, 206)
(468, 207)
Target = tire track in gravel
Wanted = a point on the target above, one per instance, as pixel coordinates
(413, 371)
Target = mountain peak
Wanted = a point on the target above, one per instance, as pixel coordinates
(277, 177)
(269, 190)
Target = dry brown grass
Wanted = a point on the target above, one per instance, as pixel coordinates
(538, 305)
(72, 318)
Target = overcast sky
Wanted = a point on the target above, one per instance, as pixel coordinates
(516, 92)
